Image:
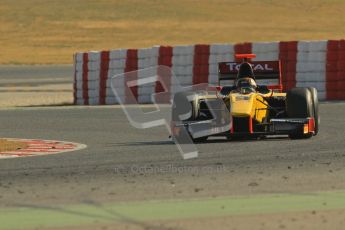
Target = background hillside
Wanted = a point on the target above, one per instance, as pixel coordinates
(49, 32)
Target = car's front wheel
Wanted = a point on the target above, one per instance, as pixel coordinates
(299, 104)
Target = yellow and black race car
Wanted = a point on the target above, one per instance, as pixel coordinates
(242, 107)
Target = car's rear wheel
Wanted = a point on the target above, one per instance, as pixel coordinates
(299, 104)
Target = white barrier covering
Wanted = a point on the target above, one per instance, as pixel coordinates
(265, 47)
(94, 56)
(222, 49)
(79, 57)
(183, 50)
(310, 67)
(118, 54)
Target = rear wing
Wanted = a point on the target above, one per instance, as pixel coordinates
(263, 70)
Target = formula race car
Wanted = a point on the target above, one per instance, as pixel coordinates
(248, 102)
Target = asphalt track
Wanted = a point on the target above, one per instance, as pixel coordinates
(35, 75)
(123, 163)
(27, 85)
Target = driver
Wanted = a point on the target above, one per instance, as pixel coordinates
(246, 85)
(245, 82)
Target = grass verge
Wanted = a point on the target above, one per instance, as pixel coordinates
(31, 216)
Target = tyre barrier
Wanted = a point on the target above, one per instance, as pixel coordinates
(319, 64)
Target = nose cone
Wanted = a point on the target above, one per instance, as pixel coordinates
(242, 105)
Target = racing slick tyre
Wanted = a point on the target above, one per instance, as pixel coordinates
(299, 104)
(316, 108)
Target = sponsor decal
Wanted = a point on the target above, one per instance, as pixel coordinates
(242, 98)
(259, 67)
(256, 67)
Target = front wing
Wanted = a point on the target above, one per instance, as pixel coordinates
(281, 126)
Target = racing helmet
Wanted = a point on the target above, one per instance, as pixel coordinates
(246, 85)
(245, 70)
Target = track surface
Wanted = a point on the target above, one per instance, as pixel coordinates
(35, 75)
(28, 85)
(108, 170)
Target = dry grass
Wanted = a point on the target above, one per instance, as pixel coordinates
(307, 220)
(47, 31)
(6, 145)
(59, 94)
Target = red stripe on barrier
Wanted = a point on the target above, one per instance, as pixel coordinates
(288, 58)
(103, 75)
(342, 44)
(341, 75)
(75, 80)
(131, 65)
(201, 64)
(85, 78)
(332, 55)
(332, 70)
(341, 91)
(341, 70)
(341, 55)
(243, 48)
(331, 76)
(333, 45)
(164, 59)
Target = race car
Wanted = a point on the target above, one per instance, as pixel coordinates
(248, 102)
